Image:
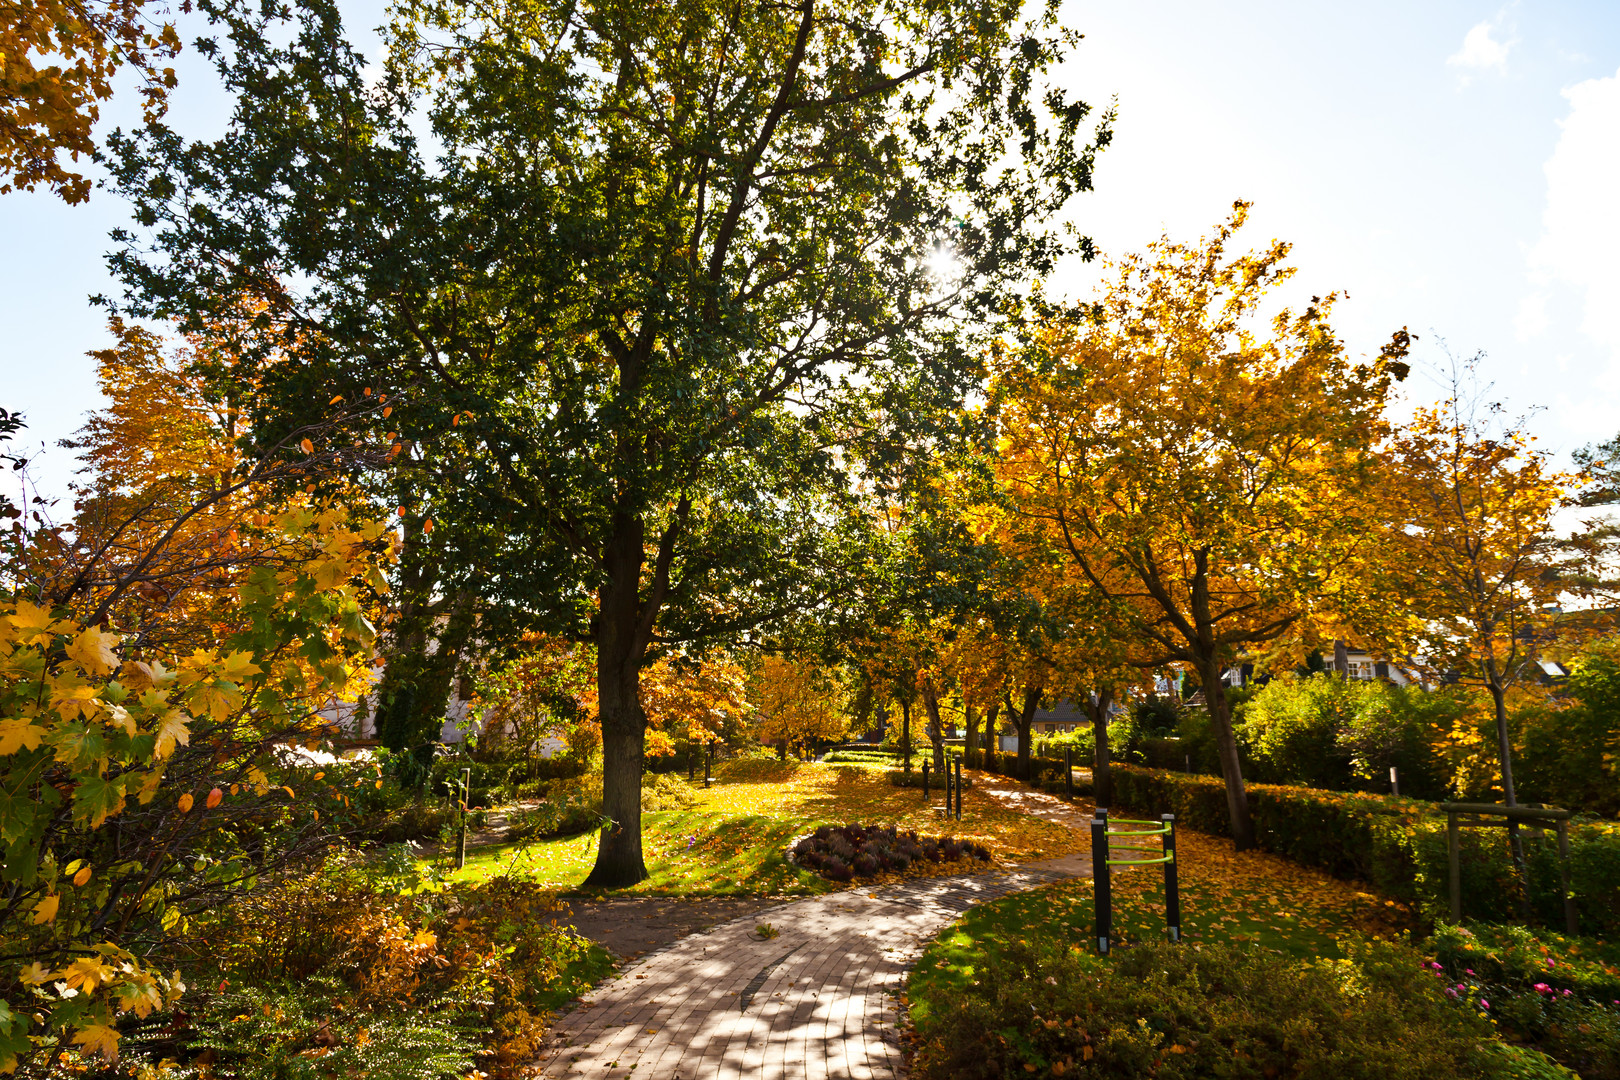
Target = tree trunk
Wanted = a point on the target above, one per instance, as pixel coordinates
(991, 746)
(1022, 719)
(1237, 799)
(1102, 782)
(971, 725)
(1504, 750)
(620, 649)
(905, 733)
(936, 730)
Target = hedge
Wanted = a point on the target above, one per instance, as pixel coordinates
(1398, 845)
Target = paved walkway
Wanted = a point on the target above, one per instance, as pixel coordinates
(819, 1001)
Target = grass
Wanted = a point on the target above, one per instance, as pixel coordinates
(734, 840)
(1252, 898)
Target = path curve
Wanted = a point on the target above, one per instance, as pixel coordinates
(819, 1001)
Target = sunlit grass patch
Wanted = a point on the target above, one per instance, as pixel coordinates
(734, 839)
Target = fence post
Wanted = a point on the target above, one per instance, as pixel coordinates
(1571, 920)
(925, 781)
(1102, 894)
(1068, 771)
(461, 835)
(1172, 888)
(1454, 856)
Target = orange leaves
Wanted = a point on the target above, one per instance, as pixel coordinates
(427, 525)
(184, 803)
(215, 797)
(307, 446)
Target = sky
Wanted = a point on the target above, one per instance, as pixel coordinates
(1451, 167)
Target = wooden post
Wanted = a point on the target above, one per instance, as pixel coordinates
(1102, 894)
(1571, 919)
(1454, 856)
(461, 835)
(1172, 888)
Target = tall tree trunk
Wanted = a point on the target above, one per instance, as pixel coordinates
(1237, 798)
(991, 745)
(620, 648)
(1102, 782)
(1504, 750)
(936, 730)
(971, 726)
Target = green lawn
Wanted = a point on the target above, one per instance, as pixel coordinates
(733, 840)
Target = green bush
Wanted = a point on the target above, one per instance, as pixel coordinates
(666, 791)
(859, 757)
(1175, 1012)
(1399, 845)
(914, 779)
(1558, 993)
(1326, 731)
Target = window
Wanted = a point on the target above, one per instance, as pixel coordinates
(1361, 669)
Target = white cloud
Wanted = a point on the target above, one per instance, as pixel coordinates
(1480, 51)
(1580, 232)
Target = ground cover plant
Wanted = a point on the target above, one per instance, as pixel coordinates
(845, 852)
(1560, 994)
(734, 838)
(371, 965)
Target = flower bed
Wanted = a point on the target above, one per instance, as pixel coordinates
(845, 852)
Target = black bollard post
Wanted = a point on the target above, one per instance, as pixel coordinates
(461, 836)
(925, 781)
(1068, 771)
(708, 762)
(1172, 891)
(1102, 894)
(958, 789)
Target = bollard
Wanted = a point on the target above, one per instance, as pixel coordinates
(461, 835)
(1068, 771)
(1103, 896)
(1394, 782)
(958, 789)
(1172, 889)
(925, 781)
(949, 787)
(708, 762)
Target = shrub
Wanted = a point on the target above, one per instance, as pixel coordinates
(901, 778)
(760, 770)
(1399, 845)
(666, 791)
(1561, 994)
(842, 852)
(1182, 1011)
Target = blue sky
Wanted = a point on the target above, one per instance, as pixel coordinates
(1452, 166)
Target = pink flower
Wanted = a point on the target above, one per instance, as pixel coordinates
(1542, 988)
(1435, 964)
(1566, 993)
(1484, 1004)
(1469, 970)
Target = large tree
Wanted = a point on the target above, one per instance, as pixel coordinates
(1201, 465)
(675, 271)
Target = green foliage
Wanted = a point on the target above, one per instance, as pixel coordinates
(1560, 994)
(307, 1030)
(666, 791)
(1342, 734)
(1399, 845)
(1568, 751)
(1182, 1011)
(914, 779)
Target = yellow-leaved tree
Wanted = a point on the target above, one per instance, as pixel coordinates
(1202, 467)
(796, 700)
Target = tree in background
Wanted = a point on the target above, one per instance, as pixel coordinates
(48, 111)
(796, 700)
(1205, 478)
(1471, 548)
(654, 319)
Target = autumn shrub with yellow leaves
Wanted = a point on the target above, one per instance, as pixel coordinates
(138, 790)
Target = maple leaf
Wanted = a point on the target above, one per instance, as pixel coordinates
(172, 730)
(139, 996)
(239, 666)
(95, 799)
(45, 910)
(98, 1039)
(17, 733)
(93, 650)
(28, 620)
(36, 974)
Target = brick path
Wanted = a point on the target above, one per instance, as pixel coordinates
(817, 1002)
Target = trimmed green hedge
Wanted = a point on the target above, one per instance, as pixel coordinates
(1398, 845)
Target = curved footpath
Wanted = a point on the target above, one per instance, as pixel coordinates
(817, 1002)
